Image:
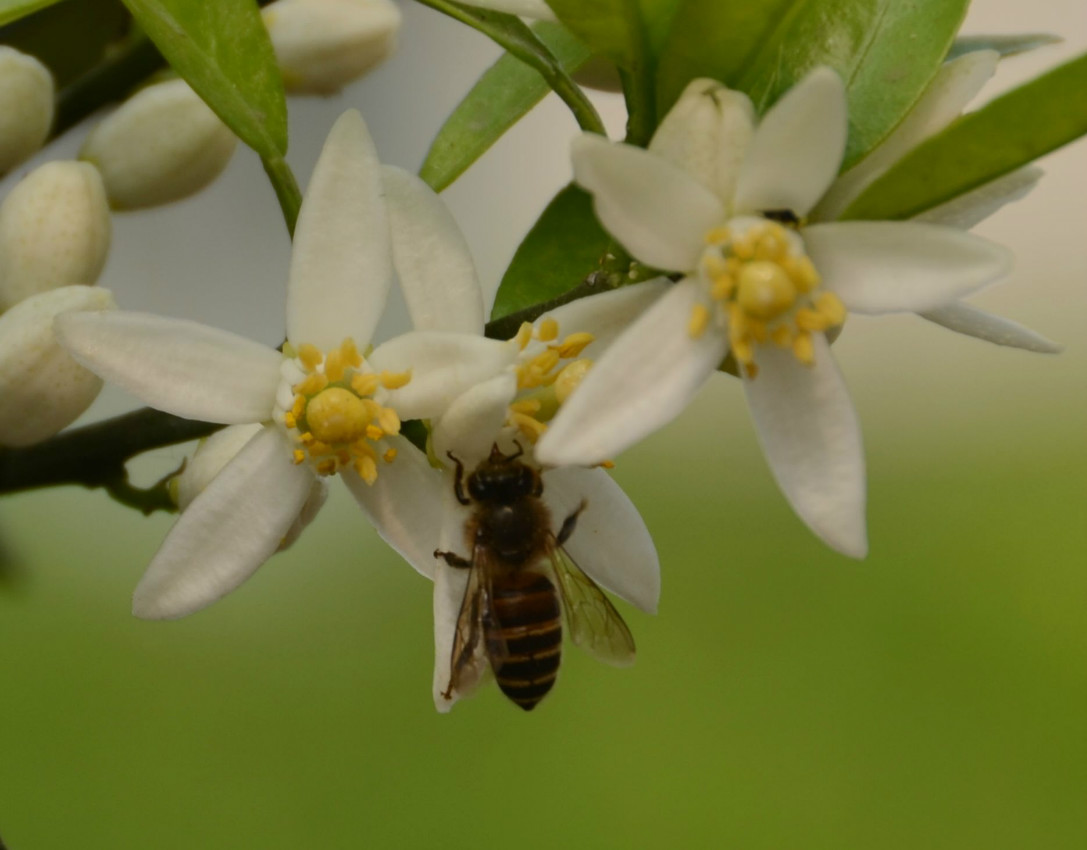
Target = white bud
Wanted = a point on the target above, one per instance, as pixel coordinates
(54, 231)
(26, 107)
(42, 387)
(215, 452)
(322, 45)
(163, 144)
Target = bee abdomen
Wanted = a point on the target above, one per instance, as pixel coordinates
(528, 622)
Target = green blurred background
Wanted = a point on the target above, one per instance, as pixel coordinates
(932, 696)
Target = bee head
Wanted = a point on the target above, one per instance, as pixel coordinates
(503, 478)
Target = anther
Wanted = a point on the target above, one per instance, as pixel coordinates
(524, 335)
(699, 321)
(364, 383)
(574, 344)
(803, 349)
(389, 456)
(394, 380)
(309, 356)
(547, 330)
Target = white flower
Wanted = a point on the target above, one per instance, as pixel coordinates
(54, 231)
(26, 106)
(42, 387)
(530, 377)
(725, 201)
(322, 45)
(161, 145)
(323, 407)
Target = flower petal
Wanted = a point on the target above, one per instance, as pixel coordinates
(442, 366)
(964, 319)
(608, 314)
(643, 381)
(228, 531)
(341, 263)
(797, 148)
(975, 206)
(175, 365)
(431, 257)
(405, 503)
(610, 543)
(954, 86)
(473, 421)
(812, 441)
(659, 212)
(899, 266)
(707, 134)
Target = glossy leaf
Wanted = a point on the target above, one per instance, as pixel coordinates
(223, 51)
(502, 96)
(563, 247)
(711, 38)
(1004, 135)
(1005, 45)
(887, 52)
(12, 10)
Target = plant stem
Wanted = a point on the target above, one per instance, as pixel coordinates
(286, 188)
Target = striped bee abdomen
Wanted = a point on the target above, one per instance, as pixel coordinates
(527, 619)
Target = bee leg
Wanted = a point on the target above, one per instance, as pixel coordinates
(569, 523)
(458, 481)
(453, 559)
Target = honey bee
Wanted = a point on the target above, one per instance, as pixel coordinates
(519, 571)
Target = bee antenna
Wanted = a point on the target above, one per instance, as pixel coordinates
(520, 451)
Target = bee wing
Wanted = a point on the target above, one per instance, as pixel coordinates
(469, 643)
(591, 619)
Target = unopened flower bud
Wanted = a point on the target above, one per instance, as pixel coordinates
(42, 387)
(26, 107)
(216, 452)
(54, 231)
(322, 45)
(163, 144)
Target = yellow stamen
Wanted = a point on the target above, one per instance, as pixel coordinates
(699, 321)
(389, 456)
(309, 356)
(574, 344)
(803, 349)
(298, 456)
(350, 353)
(524, 335)
(312, 385)
(607, 464)
(772, 244)
(782, 336)
(801, 271)
(306, 439)
(571, 375)
(289, 420)
(389, 421)
(326, 466)
(394, 380)
(719, 235)
(374, 433)
(723, 286)
(364, 383)
(831, 306)
(810, 320)
(298, 407)
(335, 365)
(548, 330)
(528, 406)
(367, 469)
(527, 425)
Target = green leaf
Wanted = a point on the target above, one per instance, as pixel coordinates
(611, 28)
(1004, 135)
(511, 33)
(887, 52)
(564, 246)
(71, 39)
(1005, 45)
(222, 49)
(716, 39)
(12, 10)
(502, 96)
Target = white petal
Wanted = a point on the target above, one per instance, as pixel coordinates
(643, 381)
(655, 209)
(175, 365)
(231, 528)
(797, 148)
(431, 257)
(473, 421)
(442, 365)
(211, 456)
(341, 264)
(405, 503)
(964, 319)
(975, 206)
(707, 134)
(954, 86)
(610, 543)
(812, 441)
(898, 266)
(608, 314)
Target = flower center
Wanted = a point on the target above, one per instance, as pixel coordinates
(329, 411)
(545, 377)
(765, 290)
